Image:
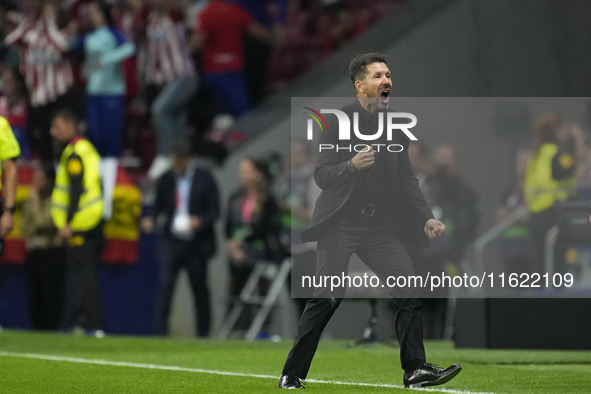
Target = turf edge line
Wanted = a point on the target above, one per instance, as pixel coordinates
(211, 371)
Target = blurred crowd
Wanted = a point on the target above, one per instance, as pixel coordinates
(150, 83)
(144, 73)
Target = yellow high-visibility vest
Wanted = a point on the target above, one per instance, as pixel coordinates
(90, 206)
(9, 148)
(541, 190)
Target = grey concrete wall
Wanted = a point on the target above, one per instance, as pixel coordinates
(503, 48)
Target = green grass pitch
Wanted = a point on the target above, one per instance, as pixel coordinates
(490, 371)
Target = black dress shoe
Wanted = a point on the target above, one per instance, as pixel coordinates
(430, 375)
(290, 381)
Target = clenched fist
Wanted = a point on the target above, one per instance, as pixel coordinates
(434, 228)
(364, 160)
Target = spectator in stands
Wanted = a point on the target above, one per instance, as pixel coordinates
(252, 226)
(219, 36)
(270, 14)
(126, 17)
(517, 247)
(45, 264)
(342, 26)
(76, 10)
(44, 65)
(105, 48)
(549, 178)
(170, 75)
(299, 194)
(8, 20)
(187, 205)
(14, 107)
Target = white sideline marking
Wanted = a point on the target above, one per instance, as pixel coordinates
(211, 371)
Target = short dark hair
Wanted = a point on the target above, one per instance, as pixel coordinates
(182, 149)
(106, 10)
(67, 114)
(546, 129)
(262, 166)
(358, 66)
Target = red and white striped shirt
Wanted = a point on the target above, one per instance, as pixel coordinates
(167, 53)
(47, 71)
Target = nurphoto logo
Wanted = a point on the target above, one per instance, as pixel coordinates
(344, 133)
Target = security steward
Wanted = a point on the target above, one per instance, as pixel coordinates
(9, 152)
(77, 210)
(549, 179)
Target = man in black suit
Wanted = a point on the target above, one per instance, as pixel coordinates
(370, 205)
(185, 210)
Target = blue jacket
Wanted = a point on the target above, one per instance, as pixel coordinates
(104, 50)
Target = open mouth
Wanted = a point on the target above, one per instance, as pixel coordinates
(385, 96)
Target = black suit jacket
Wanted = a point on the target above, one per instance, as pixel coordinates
(408, 208)
(203, 203)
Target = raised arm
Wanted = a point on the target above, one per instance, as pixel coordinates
(57, 38)
(125, 50)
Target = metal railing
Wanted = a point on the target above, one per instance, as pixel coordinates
(479, 245)
(278, 276)
(490, 235)
(549, 251)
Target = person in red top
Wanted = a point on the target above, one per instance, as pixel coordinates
(218, 34)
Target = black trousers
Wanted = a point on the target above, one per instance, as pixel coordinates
(45, 279)
(376, 243)
(83, 305)
(302, 264)
(174, 255)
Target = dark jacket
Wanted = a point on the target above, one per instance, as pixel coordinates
(203, 203)
(408, 208)
(260, 236)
